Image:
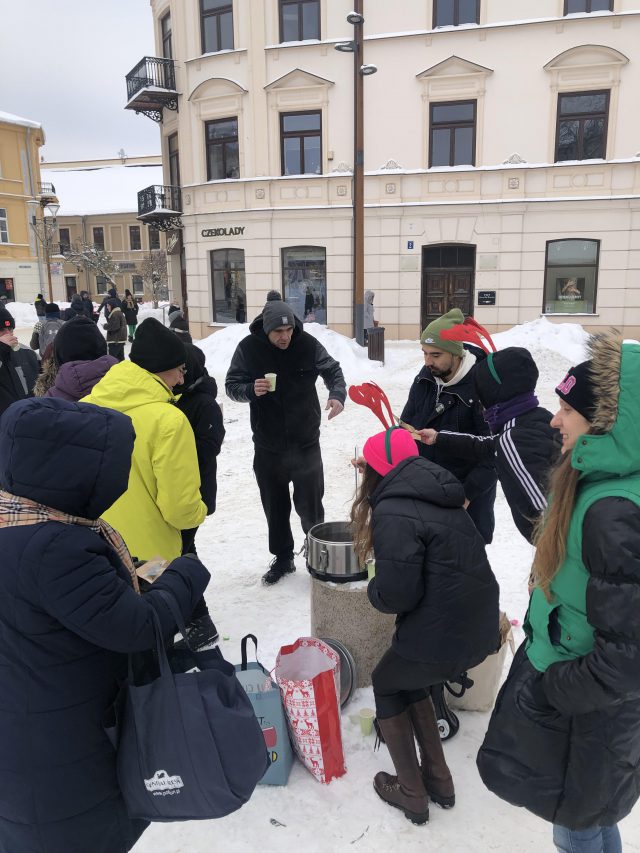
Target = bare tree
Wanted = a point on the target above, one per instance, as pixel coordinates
(154, 274)
(92, 258)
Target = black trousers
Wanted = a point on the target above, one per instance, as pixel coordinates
(399, 682)
(116, 350)
(274, 472)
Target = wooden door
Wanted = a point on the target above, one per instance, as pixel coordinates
(443, 290)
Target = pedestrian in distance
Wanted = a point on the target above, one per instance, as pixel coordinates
(79, 361)
(87, 304)
(18, 364)
(432, 571)
(197, 401)
(523, 443)
(116, 327)
(39, 305)
(69, 616)
(163, 497)
(45, 330)
(130, 310)
(285, 421)
(75, 309)
(178, 324)
(110, 301)
(564, 737)
(443, 397)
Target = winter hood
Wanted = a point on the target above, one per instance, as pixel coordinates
(197, 377)
(419, 479)
(127, 386)
(75, 379)
(614, 448)
(69, 456)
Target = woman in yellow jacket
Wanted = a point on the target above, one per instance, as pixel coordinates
(163, 496)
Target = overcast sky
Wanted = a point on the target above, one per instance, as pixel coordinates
(63, 63)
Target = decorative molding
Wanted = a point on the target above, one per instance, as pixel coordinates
(341, 190)
(260, 193)
(390, 189)
(216, 87)
(514, 160)
(342, 167)
(586, 56)
(390, 166)
(296, 79)
(454, 66)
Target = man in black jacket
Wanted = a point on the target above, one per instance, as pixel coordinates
(443, 396)
(523, 443)
(285, 421)
(18, 364)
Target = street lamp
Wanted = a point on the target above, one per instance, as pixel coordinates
(360, 71)
(44, 228)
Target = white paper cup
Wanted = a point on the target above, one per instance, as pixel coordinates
(272, 380)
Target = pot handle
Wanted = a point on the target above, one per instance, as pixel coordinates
(324, 560)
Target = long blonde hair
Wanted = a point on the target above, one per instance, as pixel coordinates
(360, 517)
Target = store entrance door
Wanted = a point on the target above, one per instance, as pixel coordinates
(448, 277)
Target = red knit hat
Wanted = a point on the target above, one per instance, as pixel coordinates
(384, 450)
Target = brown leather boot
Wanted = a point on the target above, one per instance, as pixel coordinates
(404, 791)
(436, 775)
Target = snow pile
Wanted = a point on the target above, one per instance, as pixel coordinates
(538, 336)
(24, 313)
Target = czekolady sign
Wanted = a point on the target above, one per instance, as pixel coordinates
(234, 231)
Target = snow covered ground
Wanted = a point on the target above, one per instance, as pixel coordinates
(347, 815)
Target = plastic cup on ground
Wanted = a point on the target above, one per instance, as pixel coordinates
(272, 380)
(366, 716)
(371, 568)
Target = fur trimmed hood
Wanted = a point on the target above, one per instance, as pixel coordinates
(614, 445)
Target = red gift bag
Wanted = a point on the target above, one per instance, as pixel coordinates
(308, 674)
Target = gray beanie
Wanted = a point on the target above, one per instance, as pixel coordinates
(276, 314)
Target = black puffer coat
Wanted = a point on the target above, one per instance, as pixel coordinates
(432, 570)
(456, 408)
(290, 416)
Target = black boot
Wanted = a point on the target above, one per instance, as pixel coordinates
(436, 775)
(278, 567)
(406, 790)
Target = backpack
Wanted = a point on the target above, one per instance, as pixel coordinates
(49, 330)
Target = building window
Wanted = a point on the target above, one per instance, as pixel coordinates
(216, 25)
(299, 20)
(4, 226)
(301, 147)
(165, 32)
(154, 238)
(452, 134)
(571, 7)
(137, 285)
(571, 276)
(221, 139)
(174, 160)
(453, 13)
(229, 295)
(65, 240)
(134, 238)
(101, 283)
(581, 133)
(304, 281)
(98, 239)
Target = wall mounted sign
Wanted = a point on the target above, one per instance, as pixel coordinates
(409, 244)
(486, 297)
(234, 231)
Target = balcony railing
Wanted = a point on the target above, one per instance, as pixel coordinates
(160, 207)
(151, 72)
(47, 190)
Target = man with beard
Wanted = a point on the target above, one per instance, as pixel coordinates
(285, 421)
(443, 397)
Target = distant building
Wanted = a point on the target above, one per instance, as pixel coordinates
(502, 158)
(22, 269)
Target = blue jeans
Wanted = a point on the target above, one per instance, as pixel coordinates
(598, 839)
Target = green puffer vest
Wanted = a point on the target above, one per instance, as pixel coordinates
(609, 468)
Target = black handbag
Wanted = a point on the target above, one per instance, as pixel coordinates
(188, 742)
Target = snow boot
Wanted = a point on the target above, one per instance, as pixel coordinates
(436, 775)
(406, 790)
(278, 568)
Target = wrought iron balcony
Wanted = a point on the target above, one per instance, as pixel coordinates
(160, 206)
(151, 86)
(46, 191)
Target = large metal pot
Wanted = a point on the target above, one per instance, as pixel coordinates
(330, 554)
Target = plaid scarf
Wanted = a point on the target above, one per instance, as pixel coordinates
(17, 511)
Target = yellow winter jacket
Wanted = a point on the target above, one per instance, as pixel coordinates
(163, 496)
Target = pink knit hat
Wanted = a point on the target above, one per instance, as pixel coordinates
(384, 450)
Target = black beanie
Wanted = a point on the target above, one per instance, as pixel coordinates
(6, 320)
(156, 348)
(275, 314)
(52, 308)
(577, 389)
(505, 374)
(79, 339)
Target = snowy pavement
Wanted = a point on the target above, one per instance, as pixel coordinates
(347, 815)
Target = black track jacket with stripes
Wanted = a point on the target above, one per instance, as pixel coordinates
(525, 450)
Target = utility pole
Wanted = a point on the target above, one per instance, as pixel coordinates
(358, 177)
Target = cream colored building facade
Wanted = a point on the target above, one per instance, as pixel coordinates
(502, 159)
(22, 269)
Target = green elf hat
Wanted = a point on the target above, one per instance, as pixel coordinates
(432, 335)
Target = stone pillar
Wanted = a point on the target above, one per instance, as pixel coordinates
(343, 612)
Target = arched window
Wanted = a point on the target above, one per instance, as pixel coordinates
(304, 281)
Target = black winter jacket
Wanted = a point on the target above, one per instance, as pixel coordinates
(458, 409)
(18, 373)
(524, 451)
(130, 310)
(68, 617)
(198, 402)
(290, 416)
(432, 570)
